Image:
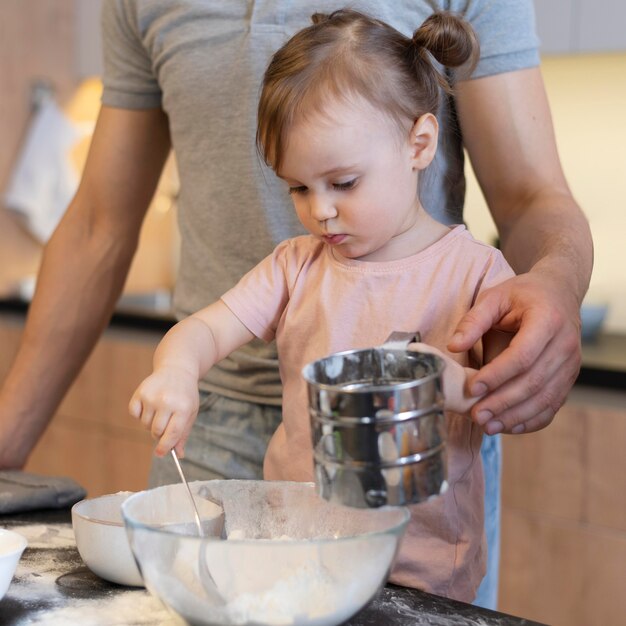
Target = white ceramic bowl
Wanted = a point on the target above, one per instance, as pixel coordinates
(101, 539)
(12, 545)
(289, 557)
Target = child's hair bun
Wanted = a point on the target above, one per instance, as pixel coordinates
(318, 18)
(450, 39)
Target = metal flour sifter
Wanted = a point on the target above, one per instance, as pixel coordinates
(377, 424)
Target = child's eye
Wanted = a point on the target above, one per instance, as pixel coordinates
(296, 190)
(344, 186)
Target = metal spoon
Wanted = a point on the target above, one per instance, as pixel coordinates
(207, 580)
(193, 502)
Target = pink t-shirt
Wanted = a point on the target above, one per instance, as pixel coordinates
(315, 302)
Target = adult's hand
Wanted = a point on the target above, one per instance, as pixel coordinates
(528, 382)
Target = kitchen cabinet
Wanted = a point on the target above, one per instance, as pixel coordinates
(573, 26)
(92, 438)
(563, 557)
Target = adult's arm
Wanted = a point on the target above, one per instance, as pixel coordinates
(507, 130)
(83, 270)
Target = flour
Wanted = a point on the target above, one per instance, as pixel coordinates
(303, 594)
(122, 608)
(288, 582)
(39, 567)
(35, 579)
(308, 596)
(43, 536)
(35, 585)
(279, 582)
(420, 615)
(51, 555)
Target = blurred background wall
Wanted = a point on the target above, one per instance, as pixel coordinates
(583, 45)
(57, 44)
(50, 52)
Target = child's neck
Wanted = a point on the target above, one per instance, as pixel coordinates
(423, 233)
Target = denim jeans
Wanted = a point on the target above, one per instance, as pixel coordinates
(229, 439)
(491, 453)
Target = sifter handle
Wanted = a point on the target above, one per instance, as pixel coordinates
(399, 340)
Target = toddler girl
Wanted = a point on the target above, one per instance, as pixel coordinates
(347, 118)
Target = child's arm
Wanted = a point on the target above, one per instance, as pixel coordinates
(167, 401)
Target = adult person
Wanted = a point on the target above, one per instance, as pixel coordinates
(189, 78)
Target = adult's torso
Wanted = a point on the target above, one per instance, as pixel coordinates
(203, 62)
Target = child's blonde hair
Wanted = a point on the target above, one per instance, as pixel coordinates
(347, 54)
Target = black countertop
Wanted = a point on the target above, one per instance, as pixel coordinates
(53, 586)
(604, 362)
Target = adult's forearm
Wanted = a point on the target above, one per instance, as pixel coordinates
(507, 129)
(79, 283)
(551, 236)
(82, 272)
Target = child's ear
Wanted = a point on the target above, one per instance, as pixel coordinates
(423, 140)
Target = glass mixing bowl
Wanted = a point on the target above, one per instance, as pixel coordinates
(274, 553)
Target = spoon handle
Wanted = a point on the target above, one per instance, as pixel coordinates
(193, 502)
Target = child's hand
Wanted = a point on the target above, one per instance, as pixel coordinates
(167, 404)
(455, 378)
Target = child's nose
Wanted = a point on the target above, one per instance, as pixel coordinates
(322, 207)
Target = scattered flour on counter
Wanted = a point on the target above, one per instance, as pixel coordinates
(130, 607)
(50, 555)
(42, 562)
(47, 536)
(422, 616)
(35, 578)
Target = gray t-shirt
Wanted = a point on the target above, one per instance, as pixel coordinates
(202, 61)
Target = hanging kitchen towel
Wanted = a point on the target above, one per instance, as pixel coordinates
(22, 491)
(44, 179)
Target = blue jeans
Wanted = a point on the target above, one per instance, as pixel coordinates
(491, 453)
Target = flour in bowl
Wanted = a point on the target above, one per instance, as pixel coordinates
(295, 582)
(308, 596)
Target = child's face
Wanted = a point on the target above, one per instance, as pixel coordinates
(353, 180)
